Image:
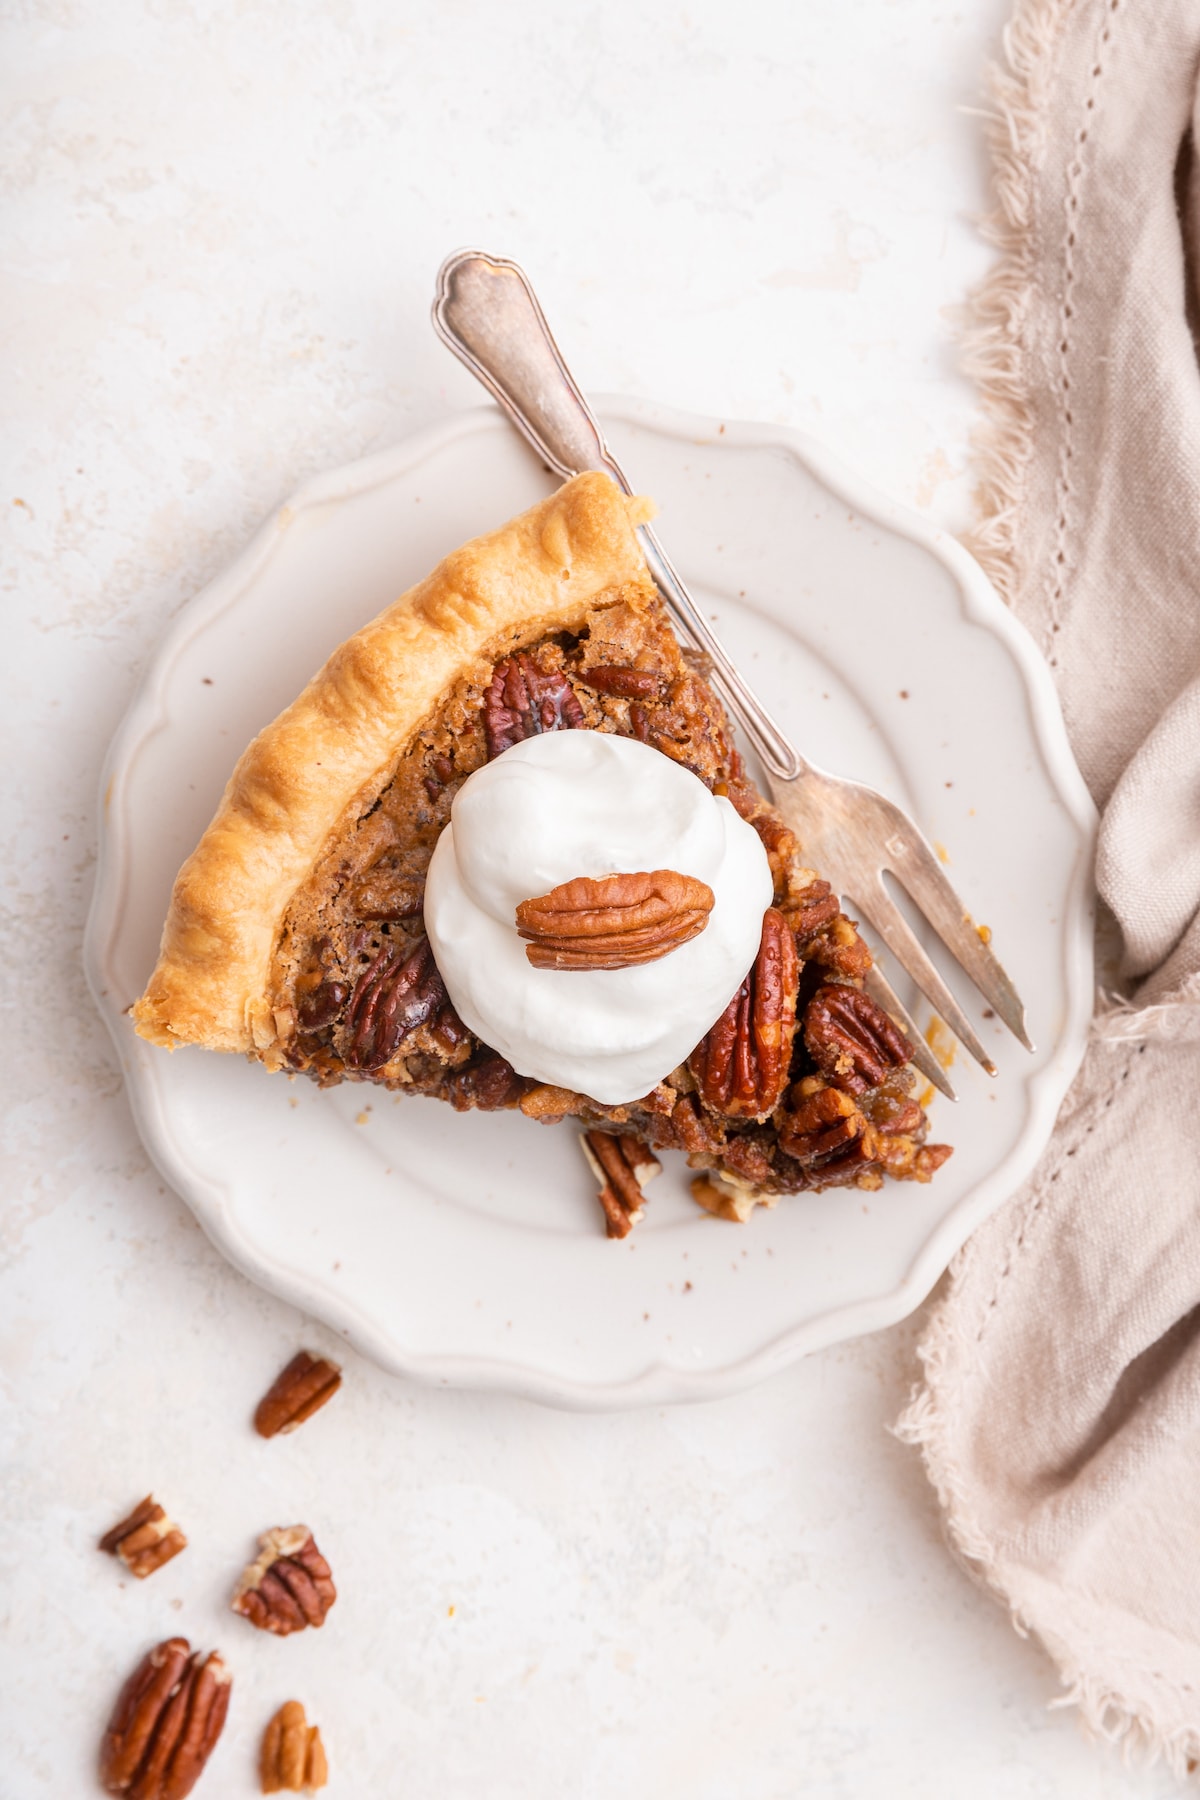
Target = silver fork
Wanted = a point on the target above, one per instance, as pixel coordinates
(488, 314)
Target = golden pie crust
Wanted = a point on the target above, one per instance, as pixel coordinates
(325, 757)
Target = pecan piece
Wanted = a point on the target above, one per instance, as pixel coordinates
(296, 1394)
(622, 683)
(288, 1586)
(165, 1724)
(746, 1159)
(693, 1130)
(724, 1199)
(615, 921)
(393, 996)
(905, 1160)
(145, 1540)
(522, 700)
(386, 893)
(548, 1103)
(488, 1083)
(851, 1039)
(293, 1756)
(622, 1165)
(319, 1001)
(811, 910)
(741, 1065)
(819, 1124)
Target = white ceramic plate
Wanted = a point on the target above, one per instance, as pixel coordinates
(467, 1249)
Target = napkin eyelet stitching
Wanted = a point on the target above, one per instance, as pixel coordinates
(1035, 1208)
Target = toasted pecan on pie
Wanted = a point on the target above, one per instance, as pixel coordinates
(296, 932)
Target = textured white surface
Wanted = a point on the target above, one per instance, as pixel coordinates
(221, 227)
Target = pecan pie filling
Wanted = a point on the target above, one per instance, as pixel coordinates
(803, 1081)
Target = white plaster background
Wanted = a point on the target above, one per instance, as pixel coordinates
(221, 225)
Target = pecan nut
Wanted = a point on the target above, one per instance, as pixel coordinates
(296, 1394)
(906, 1160)
(320, 1005)
(614, 921)
(852, 1040)
(824, 935)
(288, 1586)
(145, 1540)
(741, 1065)
(819, 1123)
(387, 893)
(399, 990)
(623, 683)
(724, 1199)
(522, 700)
(487, 1083)
(623, 1165)
(293, 1756)
(165, 1724)
(811, 910)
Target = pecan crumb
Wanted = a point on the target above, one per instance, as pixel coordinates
(296, 1394)
(622, 1165)
(145, 1540)
(293, 1756)
(165, 1724)
(288, 1586)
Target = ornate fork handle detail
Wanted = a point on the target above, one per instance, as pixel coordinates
(488, 314)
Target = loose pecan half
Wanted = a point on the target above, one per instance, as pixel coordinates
(522, 701)
(613, 921)
(851, 1039)
(741, 1065)
(145, 1540)
(165, 1724)
(288, 1586)
(293, 1756)
(820, 1122)
(296, 1394)
(622, 1165)
(399, 990)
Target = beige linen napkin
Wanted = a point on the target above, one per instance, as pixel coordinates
(1060, 1411)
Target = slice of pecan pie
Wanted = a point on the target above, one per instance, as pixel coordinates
(296, 930)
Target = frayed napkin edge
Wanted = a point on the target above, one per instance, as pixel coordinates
(1105, 1713)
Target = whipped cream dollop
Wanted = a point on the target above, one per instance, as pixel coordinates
(571, 803)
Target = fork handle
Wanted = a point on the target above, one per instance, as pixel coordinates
(486, 311)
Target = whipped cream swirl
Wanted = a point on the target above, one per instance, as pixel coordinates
(571, 803)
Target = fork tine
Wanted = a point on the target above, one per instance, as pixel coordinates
(917, 869)
(922, 1058)
(885, 917)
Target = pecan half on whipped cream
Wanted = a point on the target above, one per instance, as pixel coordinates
(613, 921)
